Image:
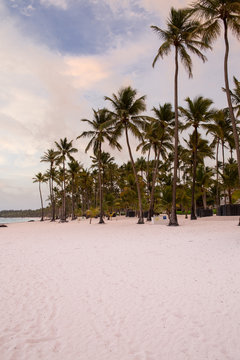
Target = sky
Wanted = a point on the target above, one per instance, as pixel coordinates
(59, 58)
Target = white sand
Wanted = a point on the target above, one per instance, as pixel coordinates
(120, 291)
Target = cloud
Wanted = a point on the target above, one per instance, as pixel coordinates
(85, 71)
(130, 7)
(62, 4)
(162, 7)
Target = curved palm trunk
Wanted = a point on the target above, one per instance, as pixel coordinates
(101, 221)
(173, 218)
(193, 214)
(140, 218)
(40, 192)
(235, 133)
(150, 211)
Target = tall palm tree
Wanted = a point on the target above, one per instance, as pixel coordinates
(40, 178)
(226, 13)
(50, 156)
(127, 109)
(160, 135)
(183, 34)
(101, 131)
(196, 113)
(65, 150)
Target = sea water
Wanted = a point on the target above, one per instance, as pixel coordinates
(4, 220)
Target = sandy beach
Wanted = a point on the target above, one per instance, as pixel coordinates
(120, 291)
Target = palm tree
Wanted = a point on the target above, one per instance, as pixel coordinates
(40, 178)
(146, 145)
(141, 165)
(220, 129)
(198, 112)
(203, 151)
(50, 156)
(229, 177)
(160, 136)
(100, 132)
(183, 34)
(64, 151)
(126, 118)
(203, 181)
(106, 159)
(227, 13)
(73, 171)
(87, 184)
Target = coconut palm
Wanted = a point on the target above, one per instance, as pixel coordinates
(184, 196)
(40, 178)
(73, 171)
(220, 129)
(64, 151)
(197, 113)
(50, 156)
(204, 181)
(106, 160)
(160, 136)
(183, 34)
(226, 13)
(203, 151)
(146, 146)
(88, 186)
(229, 177)
(127, 110)
(101, 131)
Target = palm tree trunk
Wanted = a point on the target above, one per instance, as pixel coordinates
(101, 221)
(193, 214)
(40, 192)
(52, 194)
(173, 218)
(204, 199)
(217, 190)
(150, 211)
(148, 181)
(230, 196)
(223, 161)
(140, 216)
(64, 194)
(73, 215)
(231, 113)
(53, 207)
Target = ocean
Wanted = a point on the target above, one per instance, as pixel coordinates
(16, 220)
